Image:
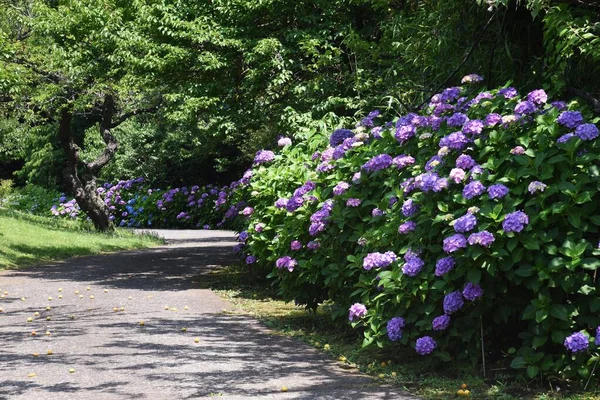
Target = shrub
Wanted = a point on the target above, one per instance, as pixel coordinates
(479, 215)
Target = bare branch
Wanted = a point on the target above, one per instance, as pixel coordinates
(124, 117)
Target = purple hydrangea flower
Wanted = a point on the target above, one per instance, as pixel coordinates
(454, 243)
(441, 323)
(465, 161)
(453, 302)
(473, 189)
(518, 150)
(402, 161)
(243, 236)
(250, 260)
(493, 119)
(263, 156)
(286, 262)
(340, 188)
(457, 175)
(377, 163)
(497, 191)
(357, 311)
(515, 221)
(570, 119)
(284, 141)
(577, 342)
(425, 345)
(433, 162)
(377, 212)
(296, 245)
(281, 202)
(587, 131)
(404, 132)
(525, 107)
(247, 211)
(338, 136)
(408, 226)
(538, 96)
(409, 208)
(413, 266)
(455, 141)
(444, 265)
(483, 238)
(508, 92)
(472, 291)
(471, 78)
(597, 339)
(536, 186)
(565, 138)
(294, 203)
(458, 119)
(313, 245)
(353, 202)
(379, 260)
(394, 328)
(259, 227)
(473, 127)
(559, 105)
(307, 187)
(465, 223)
(356, 177)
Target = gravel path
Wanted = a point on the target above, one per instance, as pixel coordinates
(100, 350)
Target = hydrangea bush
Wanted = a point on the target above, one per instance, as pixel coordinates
(474, 221)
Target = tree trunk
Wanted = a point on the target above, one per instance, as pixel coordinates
(81, 178)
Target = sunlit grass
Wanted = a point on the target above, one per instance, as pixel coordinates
(27, 240)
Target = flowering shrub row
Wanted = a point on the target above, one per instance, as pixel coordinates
(133, 204)
(473, 223)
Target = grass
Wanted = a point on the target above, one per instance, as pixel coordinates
(399, 366)
(27, 239)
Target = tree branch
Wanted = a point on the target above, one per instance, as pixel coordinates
(112, 145)
(124, 117)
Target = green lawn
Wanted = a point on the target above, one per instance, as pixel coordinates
(27, 240)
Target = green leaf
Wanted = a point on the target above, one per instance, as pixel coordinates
(590, 263)
(518, 362)
(474, 275)
(539, 341)
(559, 311)
(532, 371)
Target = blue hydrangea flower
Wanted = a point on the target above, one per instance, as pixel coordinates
(250, 260)
(454, 243)
(497, 191)
(339, 135)
(515, 221)
(458, 119)
(394, 328)
(525, 107)
(409, 208)
(453, 302)
(570, 119)
(577, 342)
(455, 141)
(402, 161)
(472, 291)
(353, 202)
(465, 161)
(473, 189)
(441, 323)
(483, 238)
(425, 345)
(587, 131)
(263, 156)
(538, 96)
(377, 163)
(465, 223)
(413, 266)
(536, 186)
(340, 188)
(444, 265)
(407, 227)
(473, 127)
